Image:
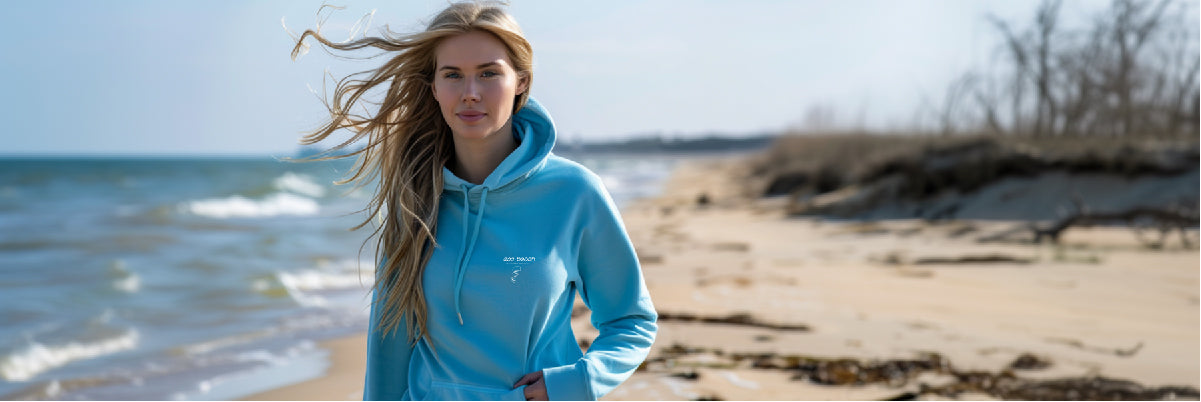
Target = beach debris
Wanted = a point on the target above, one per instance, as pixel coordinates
(973, 259)
(650, 259)
(894, 257)
(1027, 361)
(1009, 387)
(579, 310)
(914, 273)
(670, 232)
(703, 200)
(906, 396)
(898, 373)
(961, 230)
(1022, 233)
(866, 228)
(738, 280)
(740, 319)
(690, 375)
(1151, 225)
(855, 372)
(1115, 351)
(735, 246)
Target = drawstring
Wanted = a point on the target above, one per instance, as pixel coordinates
(466, 257)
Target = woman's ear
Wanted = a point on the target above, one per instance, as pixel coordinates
(523, 83)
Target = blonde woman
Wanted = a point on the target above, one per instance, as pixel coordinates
(487, 235)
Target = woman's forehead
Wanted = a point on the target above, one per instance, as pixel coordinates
(474, 49)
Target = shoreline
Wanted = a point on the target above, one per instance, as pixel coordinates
(745, 293)
(342, 381)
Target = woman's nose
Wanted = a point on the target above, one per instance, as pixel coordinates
(471, 92)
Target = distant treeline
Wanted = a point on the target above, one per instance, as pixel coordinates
(659, 144)
(314, 151)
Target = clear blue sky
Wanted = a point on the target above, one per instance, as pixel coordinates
(203, 77)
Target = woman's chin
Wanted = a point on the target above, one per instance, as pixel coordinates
(477, 132)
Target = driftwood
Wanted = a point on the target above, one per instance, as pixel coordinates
(740, 319)
(1151, 225)
(1163, 220)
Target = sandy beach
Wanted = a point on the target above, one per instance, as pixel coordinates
(756, 305)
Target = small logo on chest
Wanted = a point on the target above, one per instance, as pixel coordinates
(517, 263)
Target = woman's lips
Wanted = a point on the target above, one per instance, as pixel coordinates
(471, 116)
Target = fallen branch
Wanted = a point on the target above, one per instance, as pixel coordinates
(741, 319)
(1145, 221)
(1115, 351)
(1163, 219)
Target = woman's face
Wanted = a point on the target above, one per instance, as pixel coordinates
(475, 84)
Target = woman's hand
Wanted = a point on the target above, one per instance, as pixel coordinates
(535, 389)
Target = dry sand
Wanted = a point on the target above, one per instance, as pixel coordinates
(1099, 304)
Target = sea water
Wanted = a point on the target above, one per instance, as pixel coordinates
(191, 278)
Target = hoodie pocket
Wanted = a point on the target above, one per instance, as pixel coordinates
(448, 391)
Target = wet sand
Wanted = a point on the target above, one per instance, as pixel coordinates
(760, 306)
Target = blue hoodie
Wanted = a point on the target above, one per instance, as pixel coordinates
(511, 255)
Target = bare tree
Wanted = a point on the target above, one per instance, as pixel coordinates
(1132, 72)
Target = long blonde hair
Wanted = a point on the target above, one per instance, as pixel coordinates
(408, 143)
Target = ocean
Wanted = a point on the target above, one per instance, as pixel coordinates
(191, 278)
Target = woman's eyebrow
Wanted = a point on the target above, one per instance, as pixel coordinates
(479, 67)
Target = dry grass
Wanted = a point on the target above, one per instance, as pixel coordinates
(821, 163)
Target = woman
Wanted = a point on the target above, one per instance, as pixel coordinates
(487, 236)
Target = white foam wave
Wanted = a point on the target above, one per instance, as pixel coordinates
(36, 358)
(128, 284)
(300, 184)
(298, 283)
(264, 356)
(318, 280)
(307, 300)
(124, 280)
(241, 207)
(328, 276)
(220, 343)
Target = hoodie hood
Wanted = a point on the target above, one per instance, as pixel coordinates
(534, 129)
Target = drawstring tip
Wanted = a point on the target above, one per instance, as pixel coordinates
(460, 318)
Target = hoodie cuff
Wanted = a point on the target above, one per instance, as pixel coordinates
(567, 383)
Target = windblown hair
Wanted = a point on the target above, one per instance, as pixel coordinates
(408, 143)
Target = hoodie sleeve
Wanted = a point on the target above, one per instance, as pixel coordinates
(613, 288)
(387, 359)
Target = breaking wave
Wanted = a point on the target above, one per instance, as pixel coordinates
(301, 285)
(25, 363)
(241, 207)
(299, 184)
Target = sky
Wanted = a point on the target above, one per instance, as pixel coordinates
(201, 77)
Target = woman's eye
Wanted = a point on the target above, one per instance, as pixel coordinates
(488, 74)
(451, 75)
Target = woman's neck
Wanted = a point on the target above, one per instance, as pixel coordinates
(475, 159)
